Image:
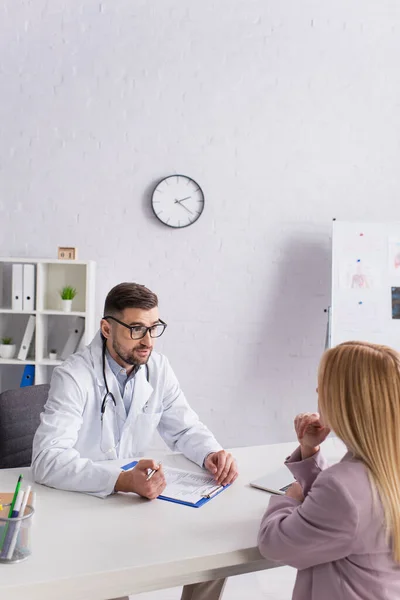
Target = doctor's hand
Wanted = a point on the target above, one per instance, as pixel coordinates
(222, 467)
(135, 480)
(310, 433)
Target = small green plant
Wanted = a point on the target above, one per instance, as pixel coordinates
(53, 351)
(68, 293)
(6, 341)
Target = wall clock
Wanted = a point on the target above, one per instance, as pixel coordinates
(177, 201)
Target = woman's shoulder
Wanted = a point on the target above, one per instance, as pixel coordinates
(348, 470)
(350, 477)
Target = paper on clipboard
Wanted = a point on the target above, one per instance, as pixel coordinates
(186, 487)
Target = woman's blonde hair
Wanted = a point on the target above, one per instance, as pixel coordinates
(359, 398)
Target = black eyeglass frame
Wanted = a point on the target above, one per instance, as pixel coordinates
(161, 322)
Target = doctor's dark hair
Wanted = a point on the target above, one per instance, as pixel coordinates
(129, 295)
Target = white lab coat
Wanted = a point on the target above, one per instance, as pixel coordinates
(68, 439)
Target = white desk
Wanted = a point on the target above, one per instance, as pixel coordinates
(85, 548)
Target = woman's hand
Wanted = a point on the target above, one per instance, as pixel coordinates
(310, 433)
(295, 491)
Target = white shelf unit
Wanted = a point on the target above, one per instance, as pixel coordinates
(52, 323)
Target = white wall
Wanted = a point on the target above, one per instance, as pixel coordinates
(286, 113)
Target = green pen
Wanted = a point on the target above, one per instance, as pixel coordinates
(11, 509)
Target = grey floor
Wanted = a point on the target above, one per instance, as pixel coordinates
(275, 584)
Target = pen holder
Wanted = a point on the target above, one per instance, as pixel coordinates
(15, 537)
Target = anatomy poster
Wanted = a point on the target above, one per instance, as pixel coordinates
(394, 257)
(358, 274)
(366, 283)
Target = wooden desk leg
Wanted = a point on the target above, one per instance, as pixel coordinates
(209, 590)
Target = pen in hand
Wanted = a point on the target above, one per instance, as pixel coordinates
(150, 475)
(213, 492)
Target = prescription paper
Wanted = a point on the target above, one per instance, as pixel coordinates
(187, 486)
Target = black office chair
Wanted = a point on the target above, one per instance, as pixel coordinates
(19, 418)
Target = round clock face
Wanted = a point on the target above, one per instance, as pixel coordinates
(177, 201)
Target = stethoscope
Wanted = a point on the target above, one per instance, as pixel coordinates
(109, 396)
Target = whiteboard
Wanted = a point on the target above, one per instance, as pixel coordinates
(365, 302)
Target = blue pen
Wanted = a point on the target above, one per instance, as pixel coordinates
(17, 506)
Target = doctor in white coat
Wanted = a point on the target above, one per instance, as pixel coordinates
(107, 401)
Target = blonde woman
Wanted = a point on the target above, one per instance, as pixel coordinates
(340, 526)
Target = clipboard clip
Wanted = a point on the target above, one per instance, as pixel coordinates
(213, 492)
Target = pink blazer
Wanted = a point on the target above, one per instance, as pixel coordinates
(335, 538)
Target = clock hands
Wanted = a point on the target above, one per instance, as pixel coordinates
(183, 206)
(171, 191)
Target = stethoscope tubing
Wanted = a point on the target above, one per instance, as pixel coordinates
(108, 394)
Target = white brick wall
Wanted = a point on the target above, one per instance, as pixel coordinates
(287, 114)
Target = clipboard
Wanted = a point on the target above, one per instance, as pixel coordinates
(175, 500)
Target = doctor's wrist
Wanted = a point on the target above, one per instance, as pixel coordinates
(121, 485)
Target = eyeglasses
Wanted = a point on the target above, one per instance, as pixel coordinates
(139, 331)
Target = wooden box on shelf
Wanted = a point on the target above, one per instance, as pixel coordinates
(67, 253)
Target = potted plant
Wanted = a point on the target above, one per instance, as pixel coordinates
(53, 354)
(7, 348)
(67, 294)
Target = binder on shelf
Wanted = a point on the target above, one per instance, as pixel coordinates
(16, 287)
(74, 337)
(27, 339)
(28, 376)
(29, 287)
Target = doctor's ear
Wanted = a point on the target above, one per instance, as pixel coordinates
(105, 328)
